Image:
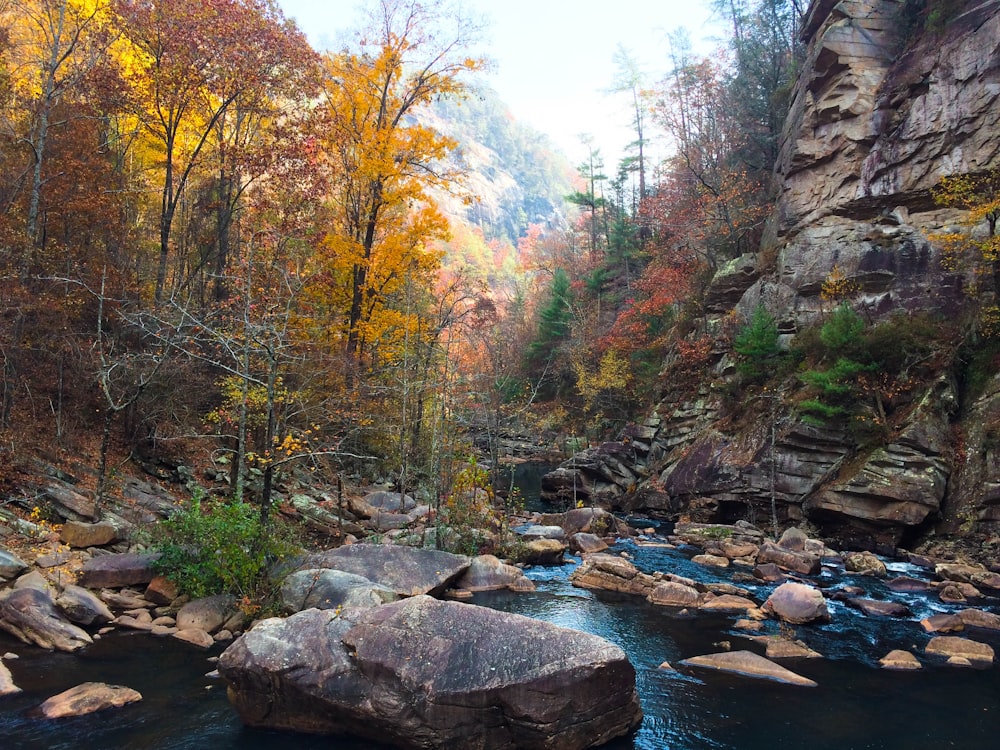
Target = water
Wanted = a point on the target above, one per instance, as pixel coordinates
(856, 705)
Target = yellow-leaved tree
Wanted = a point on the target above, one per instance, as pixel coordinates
(382, 162)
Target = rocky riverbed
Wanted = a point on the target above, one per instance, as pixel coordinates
(783, 606)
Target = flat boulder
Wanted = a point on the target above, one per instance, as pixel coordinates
(87, 699)
(329, 589)
(543, 552)
(606, 572)
(748, 664)
(954, 647)
(978, 618)
(409, 571)
(31, 616)
(797, 603)
(880, 608)
(673, 594)
(587, 544)
(422, 673)
(543, 532)
(118, 571)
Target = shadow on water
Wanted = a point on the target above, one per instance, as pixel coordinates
(855, 707)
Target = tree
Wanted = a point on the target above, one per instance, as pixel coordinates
(592, 197)
(629, 80)
(383, 161)
(183, 88)
(757, 344)
(967, 251)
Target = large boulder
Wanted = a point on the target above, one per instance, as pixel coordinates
(797, 603)
(408, 571)
(611, 573)
(960, 650)
(31, 616)
(80, 534)
(83, 607)
(210, 614)
(421, 673)
(791, 560)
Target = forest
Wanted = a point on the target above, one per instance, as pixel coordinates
(221, 245)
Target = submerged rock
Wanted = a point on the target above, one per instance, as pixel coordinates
(748, 664)
(421, 673)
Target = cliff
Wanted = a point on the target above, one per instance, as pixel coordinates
(882, 109)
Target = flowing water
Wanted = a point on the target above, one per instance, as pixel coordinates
(855, 706)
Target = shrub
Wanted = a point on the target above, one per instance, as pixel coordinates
(217, 547)
(757, 344)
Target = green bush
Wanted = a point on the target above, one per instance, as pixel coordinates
(217, 547)
(757, 345)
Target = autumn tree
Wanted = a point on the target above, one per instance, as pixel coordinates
(182, 89)
(383, 160)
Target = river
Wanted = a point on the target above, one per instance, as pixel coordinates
(856, 705)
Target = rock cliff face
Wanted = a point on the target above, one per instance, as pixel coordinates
(881, 111)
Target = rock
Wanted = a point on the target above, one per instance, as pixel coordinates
(748, 664)
(596, 521)
(977, 618)
(134, 622)
(117, 571)
(208, 614)
(11, 566)
(788, 559)
(81, 535)
(711, 561)
(943, 623)
(793, 539)
(950, 646)
(31, 616)
(488, 573)
(876, 608)
(83, 607)
(797, 603)
(900, 660)
(422, 673)
(738, 550)
(779, 647)
(391, 502)
(543, 552)
(905, 584)
(161, 590)
(86, 699)
(68, 503)
(958, 593)
(865, 563)
(35, 580)
(406, 570)
(194, 636)
(610, 573)
(53, 559)
(329, 589)
(769, 573)
(672, 594)
(728, 603)
(587, 543)
(959, 572)
(7, 686)
(125, 599)
(543, 532)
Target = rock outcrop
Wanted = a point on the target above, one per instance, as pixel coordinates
(421, 673)
(881, 110)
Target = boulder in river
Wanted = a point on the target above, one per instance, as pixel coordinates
(900, 660)
(489, 573)
(329, 589)
(83, 606)
(956, 647)
(421, 673)
(7, 686)
(795, 561)
(31, 616)
(748, 664)
(86, 699)
(797, 603)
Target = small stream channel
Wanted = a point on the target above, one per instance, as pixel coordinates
(856, 705)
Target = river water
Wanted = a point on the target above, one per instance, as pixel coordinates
(855, 706)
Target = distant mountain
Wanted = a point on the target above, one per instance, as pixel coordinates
(516, 174)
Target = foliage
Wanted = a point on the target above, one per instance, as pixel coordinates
(606, 390)
(842, 333)
(469, 512)
(215, 547)
(757, 344)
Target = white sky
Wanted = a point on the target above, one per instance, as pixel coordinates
(554, 58)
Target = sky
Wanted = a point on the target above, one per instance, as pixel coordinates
(554, 59)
